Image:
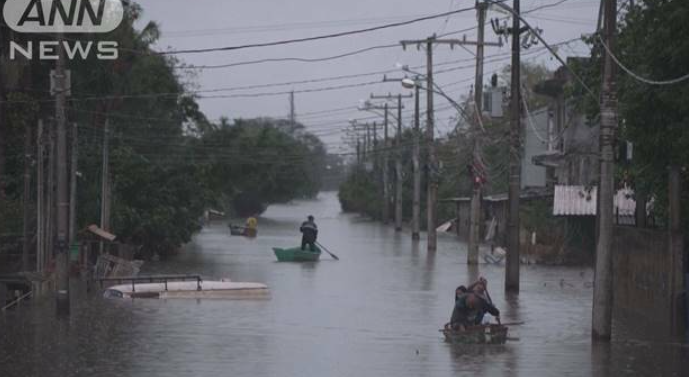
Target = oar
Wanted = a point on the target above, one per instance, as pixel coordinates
(327, 251)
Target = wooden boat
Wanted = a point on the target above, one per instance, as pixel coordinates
(296, 254)
(484, 334)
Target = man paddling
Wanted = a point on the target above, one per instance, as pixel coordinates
(471, 304)
(309, 232)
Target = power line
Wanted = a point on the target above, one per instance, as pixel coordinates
(315, 38)
(637, 76)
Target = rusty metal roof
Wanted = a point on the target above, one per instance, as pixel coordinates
(581, 201)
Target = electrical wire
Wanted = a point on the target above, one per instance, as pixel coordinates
(314, 38)
(639, 77)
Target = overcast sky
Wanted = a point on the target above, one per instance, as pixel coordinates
(196, 24)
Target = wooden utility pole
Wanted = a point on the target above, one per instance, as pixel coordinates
(602, 293)
(398, 151)
(26, 198)
(386, 187)
(73, 186)
(105, 182)
(40, 199)
(62, 189)
(475, 215)
(512, 260)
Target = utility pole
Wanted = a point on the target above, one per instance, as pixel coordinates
(292, 111)
(416, 171)
(433, 168)
(50, 197)
(386, 187)
(26, 198)
(398, 168)
(40, 200)
(512, 260)
(105, 182)
(358, 151)
(73, 186)
(416, 197)
(375, 146)
(62, 256)
(475, 215)
(398, 152)
(602, 292)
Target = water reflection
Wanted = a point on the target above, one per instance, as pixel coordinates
(376, 312)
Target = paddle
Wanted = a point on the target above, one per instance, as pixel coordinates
(327, 251)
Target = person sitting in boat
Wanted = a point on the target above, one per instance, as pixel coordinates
(251, 227)
(485, 304)
(309, 232)
(459, 292)
(471, 305)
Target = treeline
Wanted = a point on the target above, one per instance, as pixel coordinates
(168, 162)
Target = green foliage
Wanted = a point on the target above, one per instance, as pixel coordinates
(256, 162)
(168, 163)
(656, 117)
(360, 193)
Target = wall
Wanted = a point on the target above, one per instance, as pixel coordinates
(535, 143)
(645, 280)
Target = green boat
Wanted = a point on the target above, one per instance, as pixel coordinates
(296, 254)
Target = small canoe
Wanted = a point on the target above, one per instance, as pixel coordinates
(296, 254)
(484, 334)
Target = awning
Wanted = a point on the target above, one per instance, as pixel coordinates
(101, 233)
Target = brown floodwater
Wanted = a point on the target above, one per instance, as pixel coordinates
(376, 312)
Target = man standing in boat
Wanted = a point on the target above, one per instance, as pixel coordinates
(309, 232)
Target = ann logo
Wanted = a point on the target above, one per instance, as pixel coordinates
(66, 16)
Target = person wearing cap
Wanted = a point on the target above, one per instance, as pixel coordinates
(309, 232)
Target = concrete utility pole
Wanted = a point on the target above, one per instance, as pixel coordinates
(475, 215)
(26, 198)
(398, 168)
(512, 260)
(50, 197)
(416, 197)
(386, 187)
(62, 220)
(602, 293)
(40, 199)
(398, 152)
(73, 186)
(375, 147)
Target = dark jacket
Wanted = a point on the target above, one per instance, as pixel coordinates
(470, 315)
(310, 230)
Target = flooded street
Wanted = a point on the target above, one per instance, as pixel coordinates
(376, 312)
